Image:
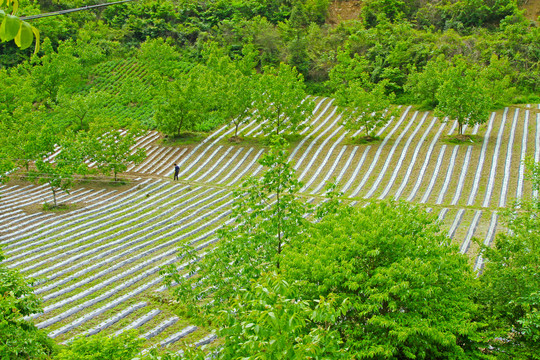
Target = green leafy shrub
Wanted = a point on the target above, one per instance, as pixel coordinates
(510, 284)
(20, 339)
(102, 347)
(408, 289)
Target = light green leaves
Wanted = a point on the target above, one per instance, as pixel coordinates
(10, 27)
(462, 96)
(396, 291)
(282, 107)
(366, 105)
(13, 3)
(24, 37)
(13, 28)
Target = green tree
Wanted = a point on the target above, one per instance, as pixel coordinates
(423, 85)
(365, 109)
(111, 151)
(16, 90)
(462, 96)
(20, 339)
(348, 69)
(377, 282)
(271, 320)
(235, 82)
(161, 58)
(240, 88)
(78, 111)
(376, 11)
(186, 101)
(25, 136)
(266, 213)
(282, 106)
(497, 78)
(55, 69)
(59, 173)
(409, 290)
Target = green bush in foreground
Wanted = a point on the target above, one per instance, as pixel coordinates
(380, 282)
(102, 347)
(20, 339)
(510, 285)
(407, 290)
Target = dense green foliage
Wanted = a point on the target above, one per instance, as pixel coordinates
(395, 289)
(215, 51)
(273, 321)
(20, 339)
(101, 347)
(400, 279)
(510, 286)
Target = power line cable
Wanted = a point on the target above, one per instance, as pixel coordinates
(67, 11)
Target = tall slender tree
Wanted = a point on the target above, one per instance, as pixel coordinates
(282, 104)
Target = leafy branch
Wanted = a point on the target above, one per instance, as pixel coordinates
(13, 28)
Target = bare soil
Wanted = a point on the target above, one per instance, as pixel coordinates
(61, 208)
(532, 9)
(343, 10)
(235, 139)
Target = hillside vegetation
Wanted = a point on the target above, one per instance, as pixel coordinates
(345, 180)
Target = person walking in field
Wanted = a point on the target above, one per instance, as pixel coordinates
(176, 171)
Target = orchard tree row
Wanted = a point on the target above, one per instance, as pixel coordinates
(53, 101)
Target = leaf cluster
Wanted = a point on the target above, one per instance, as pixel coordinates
(270, 320)
(13, 28)
(510, 284)
(409, 291)
(20, 339)
(102, 347)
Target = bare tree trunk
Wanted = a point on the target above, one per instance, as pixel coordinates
(54, 195)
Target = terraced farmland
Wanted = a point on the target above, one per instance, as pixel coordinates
(98, 266)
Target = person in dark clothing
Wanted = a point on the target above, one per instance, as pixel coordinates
(176, 171)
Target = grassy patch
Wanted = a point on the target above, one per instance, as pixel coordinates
(60, 208)
(462, 139)
(526, 99)
(185, 138)
(50, 208)
(105, 182)
(365, 139)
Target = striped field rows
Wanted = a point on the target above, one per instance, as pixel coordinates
(97, 267)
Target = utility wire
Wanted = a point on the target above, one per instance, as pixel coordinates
(62, 12)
